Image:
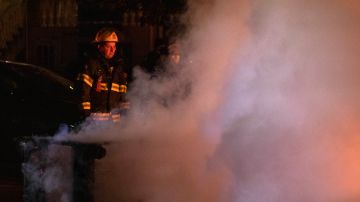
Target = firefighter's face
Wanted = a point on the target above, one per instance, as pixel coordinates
(107, 49)
(175, 58)
(174, 54)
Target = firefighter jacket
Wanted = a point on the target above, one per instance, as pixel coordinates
(102, 85)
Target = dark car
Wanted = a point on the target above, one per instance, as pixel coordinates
(35, 102)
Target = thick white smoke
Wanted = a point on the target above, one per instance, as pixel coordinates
(165, 151)
(272, 114)
(291, 107)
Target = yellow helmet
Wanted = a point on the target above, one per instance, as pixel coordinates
(106, 35)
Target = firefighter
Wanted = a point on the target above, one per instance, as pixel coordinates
(103, 81)
(176, 74)
(102, 85)
(174, 53)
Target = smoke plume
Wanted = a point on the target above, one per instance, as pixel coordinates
(272, 113)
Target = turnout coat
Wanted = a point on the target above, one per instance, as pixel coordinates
(102, 85)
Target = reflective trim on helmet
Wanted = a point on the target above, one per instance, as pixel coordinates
(118, 88)
(86, 105)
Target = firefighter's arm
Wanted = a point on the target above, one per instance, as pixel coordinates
(125, 104)
(86, 83)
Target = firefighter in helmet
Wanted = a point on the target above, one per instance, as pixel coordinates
(102, 85)
(103, 81)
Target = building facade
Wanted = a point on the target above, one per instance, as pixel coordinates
(54, 33)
